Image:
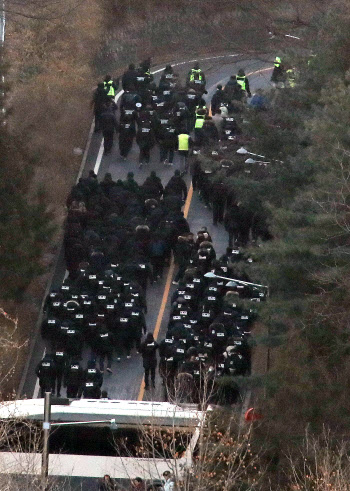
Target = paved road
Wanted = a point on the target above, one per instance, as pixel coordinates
(126, 380)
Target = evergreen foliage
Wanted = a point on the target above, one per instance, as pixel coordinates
(305, 199)
(25, 223)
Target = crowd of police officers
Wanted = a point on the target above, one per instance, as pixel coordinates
(119, 237)
(164, 115)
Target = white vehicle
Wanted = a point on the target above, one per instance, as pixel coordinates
(93, 437)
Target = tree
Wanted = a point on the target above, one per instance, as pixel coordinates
(25, 223)
(304, 195)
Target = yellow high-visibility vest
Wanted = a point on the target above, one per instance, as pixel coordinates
(199, 121)
(184, 142)
(195, 73)
(277, 62)
(109, 85)
(241, 81)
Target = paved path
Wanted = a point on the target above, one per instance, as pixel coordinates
(126, 380)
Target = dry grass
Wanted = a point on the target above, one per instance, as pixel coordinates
(52, 78)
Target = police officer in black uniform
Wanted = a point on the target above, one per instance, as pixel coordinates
(46, 372)
(74, 379)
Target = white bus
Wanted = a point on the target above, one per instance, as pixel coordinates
(121, 438)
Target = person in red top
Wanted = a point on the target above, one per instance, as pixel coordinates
(137, 484)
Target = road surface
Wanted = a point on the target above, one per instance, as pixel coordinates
(126, 382)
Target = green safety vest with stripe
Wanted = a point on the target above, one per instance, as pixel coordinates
(277, 62)
(196, 75)
(109, 88)
(241, 81)
(199, 121)
(184, 142)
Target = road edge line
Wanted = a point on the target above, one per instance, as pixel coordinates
(52, 274)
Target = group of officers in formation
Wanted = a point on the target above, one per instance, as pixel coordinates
(119, 237)
(165, 114)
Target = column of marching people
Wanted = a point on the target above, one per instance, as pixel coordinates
(119, 237)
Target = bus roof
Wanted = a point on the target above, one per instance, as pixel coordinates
(124, 412)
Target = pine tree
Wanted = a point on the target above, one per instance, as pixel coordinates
(25, 224)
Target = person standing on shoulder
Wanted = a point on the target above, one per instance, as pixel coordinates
(243, 81)
(148, 350)
(99, 100)
(278, 76)
(110, 86)
(109, 125)
(129, 78)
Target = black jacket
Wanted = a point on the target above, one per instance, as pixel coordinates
(108, 122)
(216, 100)
(129, 79)
(99, 98)
(149, 353)
(177, 185)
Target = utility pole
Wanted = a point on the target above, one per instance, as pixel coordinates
(2, 23)
(2, 43)
(46, 434)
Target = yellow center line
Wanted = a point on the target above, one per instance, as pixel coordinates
(259, 71)
(166, 291)
(172, 265)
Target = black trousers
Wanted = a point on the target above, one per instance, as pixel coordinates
(98, 113)
(158, 265)
(108, 140)
(166, 152)
(183, 160)
(59, 377)
(125, 144)
(231, 236)
(181, 271)
(145, 155)
(130, 342)
(218, 211)
(72, 391)
(198, 136)
(47, 385)
(101, 359)
(149, 369)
